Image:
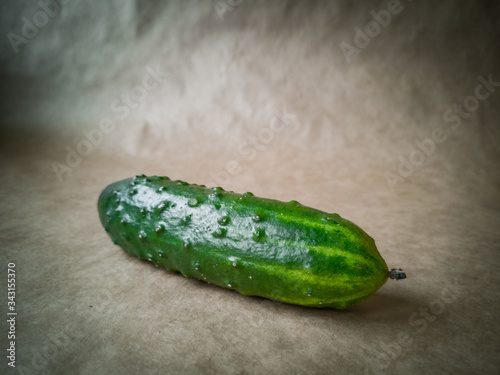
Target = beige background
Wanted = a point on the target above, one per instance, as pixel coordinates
(87, 307)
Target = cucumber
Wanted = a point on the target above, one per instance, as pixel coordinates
(278, 250)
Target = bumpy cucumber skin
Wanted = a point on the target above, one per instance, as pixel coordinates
(278, 250)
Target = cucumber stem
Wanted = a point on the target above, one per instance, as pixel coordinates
(395, 273)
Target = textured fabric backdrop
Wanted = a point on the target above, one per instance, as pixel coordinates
(386, 112)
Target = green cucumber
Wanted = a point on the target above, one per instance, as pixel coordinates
(278, 250)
